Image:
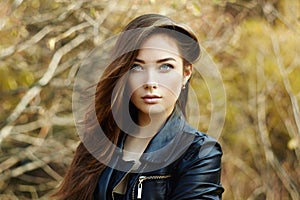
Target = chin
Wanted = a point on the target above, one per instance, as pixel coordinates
(156, 110)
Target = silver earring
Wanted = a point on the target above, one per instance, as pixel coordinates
(183, 86)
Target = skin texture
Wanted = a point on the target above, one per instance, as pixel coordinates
(156, 79)
(95, 153)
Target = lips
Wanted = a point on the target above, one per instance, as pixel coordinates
(151, 99)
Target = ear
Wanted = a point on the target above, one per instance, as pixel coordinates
(187, 73)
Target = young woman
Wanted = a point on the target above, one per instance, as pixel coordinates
(137, 143)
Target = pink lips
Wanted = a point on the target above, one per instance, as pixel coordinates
(151, 99)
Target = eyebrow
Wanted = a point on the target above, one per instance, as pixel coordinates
(158, 61)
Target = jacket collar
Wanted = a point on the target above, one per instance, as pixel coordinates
(170, 142)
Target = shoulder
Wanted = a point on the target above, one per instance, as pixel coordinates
(203, 156)
(199, 168)
(203, 146)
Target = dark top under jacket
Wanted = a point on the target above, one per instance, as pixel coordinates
(179, 163)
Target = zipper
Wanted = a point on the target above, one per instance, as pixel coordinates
(142, 179)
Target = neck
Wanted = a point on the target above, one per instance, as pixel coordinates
(151, 124)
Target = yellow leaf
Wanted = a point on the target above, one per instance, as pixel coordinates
(35, 4)
(293, 143)
(51, 44)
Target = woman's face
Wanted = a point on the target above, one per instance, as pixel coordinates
(157, 76)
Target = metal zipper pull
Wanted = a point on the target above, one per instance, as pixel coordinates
(140, 187)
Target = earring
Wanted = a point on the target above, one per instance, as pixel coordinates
(183, 86)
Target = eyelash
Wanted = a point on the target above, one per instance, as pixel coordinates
(136, 66)
(168, 65)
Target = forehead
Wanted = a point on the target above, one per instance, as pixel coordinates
(158, 46)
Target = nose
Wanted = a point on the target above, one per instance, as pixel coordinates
(150, 82)
(150, 86)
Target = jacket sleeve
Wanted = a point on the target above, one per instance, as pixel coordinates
(198, 174)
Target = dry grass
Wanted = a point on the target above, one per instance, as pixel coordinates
(255, 45)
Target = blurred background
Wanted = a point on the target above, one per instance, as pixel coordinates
(255, 44)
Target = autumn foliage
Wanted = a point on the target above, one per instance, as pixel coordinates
(254, 43)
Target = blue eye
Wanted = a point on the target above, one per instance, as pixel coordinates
(166, 67)
(136, 67)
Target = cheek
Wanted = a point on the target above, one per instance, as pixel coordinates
(173, 87)
(135, 89)
(134, 82)
(134, 97)
(173, 83)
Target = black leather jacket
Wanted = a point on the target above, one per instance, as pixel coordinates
(179, 163)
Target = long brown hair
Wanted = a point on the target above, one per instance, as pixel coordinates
(81, 178)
